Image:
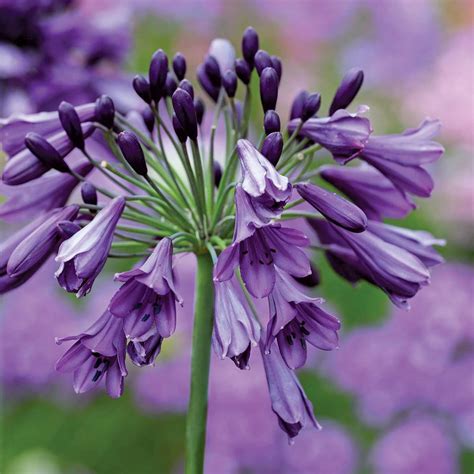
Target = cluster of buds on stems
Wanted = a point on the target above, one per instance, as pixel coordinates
(153, 186)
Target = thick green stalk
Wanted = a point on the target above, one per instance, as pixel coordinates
(197, 408)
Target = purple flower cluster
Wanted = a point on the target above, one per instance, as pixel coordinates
(157, 205)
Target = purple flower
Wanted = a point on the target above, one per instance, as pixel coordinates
(42, 194)
(145, 352)
(343, 134)
(235, 329)
(83, 256)
(258, 255)
(400, 157)
(347, 90)
(296, 319)
(289, 402)
(147, 300)
(333, 207)
(33, 251)
(99, 351)
(370, 190)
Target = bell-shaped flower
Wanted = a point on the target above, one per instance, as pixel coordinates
(370, 190)
(145, 352)
(401, 157)
(289, 402)
(147, 300)
(259, 254)
(99, 351)
(235, 329)
(83, 256)
(343, 134)
(296, 319)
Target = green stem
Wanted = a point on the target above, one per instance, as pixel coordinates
(197, 408)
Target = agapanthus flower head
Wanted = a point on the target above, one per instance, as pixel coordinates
(230, 206)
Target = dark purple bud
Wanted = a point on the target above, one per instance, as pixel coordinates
(229, 82)
(179, 130)
(157, 73)
(272, 147)
(132, 152)
(311, 280)
(71, 124)
(200, 109)
(171, 85)
(276, 64)
(184, 109)
(188, 87)
(142, 88)
(89, 193)
(298, 105)
(213, 71)
(148, 119)
(67, 229)
(105, 111)
(45, 152)
(243, 71)
(311, 106)
(347, 90)
(179, 66)
(271, 122)
(211, 90)
(269, 88)
(217, 173)
(262, 60)
(250, 45)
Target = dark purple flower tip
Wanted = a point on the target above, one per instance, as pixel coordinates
(45, 152)
(217, 173)
(211, 90)
(200, 110)
(67, 229)
(262, 60)
(333, 207)
(213, 71)
(148, 119)
(184, 109)
(71, 124)
(187, 86)
(132, 152)
(105, 111)
(170, 85)
(241, 361)
(271, 122)
(311, 106)
(229, 82)
(298, 105)
(250, 45)
(311, 280)
(347, 90)
(179, 66)
(179, 130)
(277, 65)
(243, 71)
(89, 193)
(272, 147)
(142, 88)
(157, 73)
(268, 88)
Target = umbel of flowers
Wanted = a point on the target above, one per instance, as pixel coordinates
(166, 190)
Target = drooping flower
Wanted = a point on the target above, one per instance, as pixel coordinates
(99, 351)
(235, 329)
(370, 190)
(295, 319)
(83, 256)
(145, 352)
(401, 157)
(289, 402)
(147, 300)
(343, 134)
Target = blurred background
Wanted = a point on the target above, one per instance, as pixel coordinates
(398, 396)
